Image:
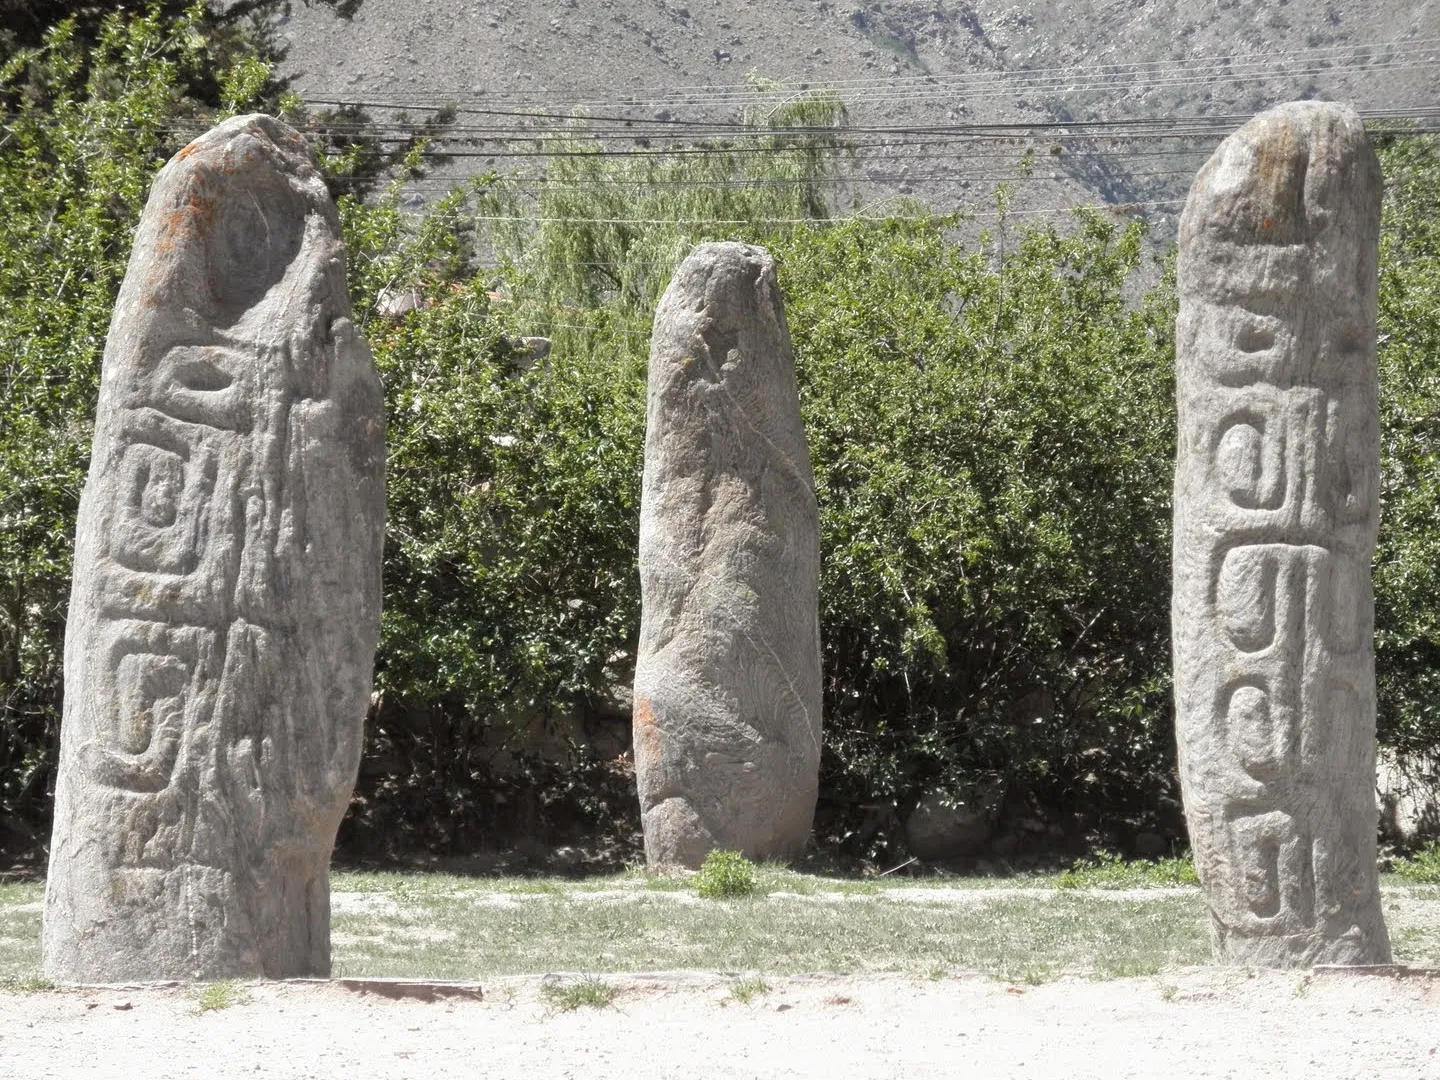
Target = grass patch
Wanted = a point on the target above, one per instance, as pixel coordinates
(20, 905)
(747, 990)
(1109, 871)
(451, 933)
(25, 984)
(220, 995)
(1020, 929)
(1421, 868)
(725, 875)
(586, 993)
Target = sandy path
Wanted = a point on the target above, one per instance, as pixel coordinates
(1202, 1022)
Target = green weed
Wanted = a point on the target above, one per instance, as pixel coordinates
(726, 874)
(746, 990)
(589, 993)
(220, 995)
(25, 984)
(1422, 868)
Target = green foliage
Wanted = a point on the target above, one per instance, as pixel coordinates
(95, 106)
(25, 23)
(1407, 559)
(587, 993)
(1421, 868)
(992, 434)
(24, 984)
(220, 995)
(725, 875)
(990, 422)
(747, 990)
(512, 597)
(1107, 870)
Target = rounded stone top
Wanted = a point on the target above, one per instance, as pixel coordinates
(1283, 178)
(227, 218)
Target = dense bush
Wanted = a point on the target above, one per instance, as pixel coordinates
(1407, 562)
(94, 108)
(992, 435)
(726, 875)
(991, 424)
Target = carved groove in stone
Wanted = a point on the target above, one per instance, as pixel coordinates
(1276, 511)
(226, 594)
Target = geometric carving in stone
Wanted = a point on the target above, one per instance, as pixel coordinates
(1276, 511)
(226, 595)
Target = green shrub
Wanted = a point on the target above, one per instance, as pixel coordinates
(725, 875)
(1421, 868)
(747, 990)
(1407, 557)
(91, 117)
(991, 426)
(992, 432)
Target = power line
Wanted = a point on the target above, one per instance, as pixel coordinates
(764, 182)
(652, 128)
(1234, 63)
(819, 222)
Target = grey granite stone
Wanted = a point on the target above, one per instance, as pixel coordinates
(727, 679)
(1276, 510)
(226, 595)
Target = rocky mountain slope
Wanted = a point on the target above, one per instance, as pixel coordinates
(904, 68)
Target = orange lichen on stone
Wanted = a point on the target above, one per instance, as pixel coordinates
(646, 731)
(195, 215)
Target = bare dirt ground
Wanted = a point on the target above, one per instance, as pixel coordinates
(1195, 1022)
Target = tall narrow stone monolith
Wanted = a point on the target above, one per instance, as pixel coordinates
(226, 596)
(727, 680)
(1276, 509)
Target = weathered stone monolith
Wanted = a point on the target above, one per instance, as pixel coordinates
(727, 679)
(1276, 508)
(226, 595)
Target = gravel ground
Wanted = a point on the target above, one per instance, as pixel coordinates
(1196, 1022)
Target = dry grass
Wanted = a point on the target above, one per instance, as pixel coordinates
(1018, 929)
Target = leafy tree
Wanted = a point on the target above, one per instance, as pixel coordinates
(992, 435)
(512, 597)
(1407, 561)
(992, 432)
(26, 23)
(104, 98)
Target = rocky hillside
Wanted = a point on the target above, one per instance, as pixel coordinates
(904, 68)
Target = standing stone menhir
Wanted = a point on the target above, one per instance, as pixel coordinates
(1276, 508)
(226, 595)
(727, 679)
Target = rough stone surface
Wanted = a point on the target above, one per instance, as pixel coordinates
(727, 678)
(226, 595)
(1276, 509)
